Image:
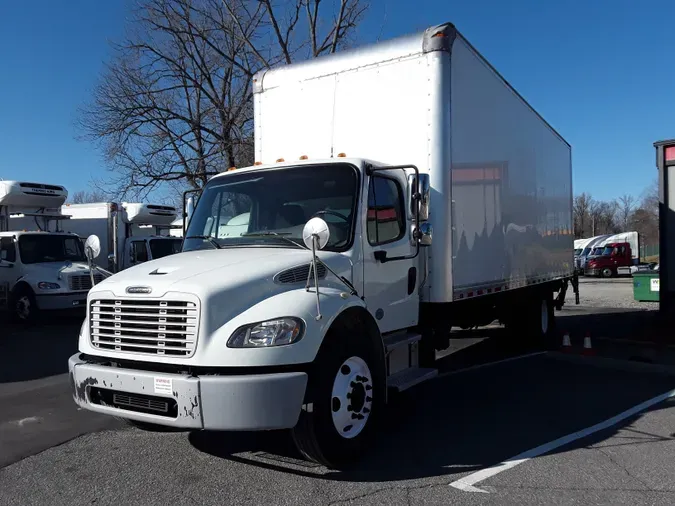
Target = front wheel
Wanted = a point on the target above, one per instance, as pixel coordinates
(606, 272)
(346, 391)
(24, 306)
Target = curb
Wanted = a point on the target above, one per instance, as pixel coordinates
(636, 342)
(613, 363)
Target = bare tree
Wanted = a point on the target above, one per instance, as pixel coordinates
(86, 197)
(625, 206)
(175, 103)
(581, 208)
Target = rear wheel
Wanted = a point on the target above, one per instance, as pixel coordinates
(534, 320)
(346, 393)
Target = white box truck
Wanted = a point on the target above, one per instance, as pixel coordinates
(309, 287)
(41, 267)
(130, 233)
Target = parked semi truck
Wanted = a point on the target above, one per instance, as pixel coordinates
(41, 266)
(312, 285)
(130, 233)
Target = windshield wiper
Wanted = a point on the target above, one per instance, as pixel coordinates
(269, 233)
(206, 238)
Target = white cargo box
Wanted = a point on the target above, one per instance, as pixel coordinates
(25, 195)
(148, 214)
(501, 176)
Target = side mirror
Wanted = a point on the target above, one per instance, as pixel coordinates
(92, 247)
(189, 208)
(424, 196)
(425, 234)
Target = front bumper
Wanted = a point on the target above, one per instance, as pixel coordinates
(592, 272)
(57, 301)
(211, 402)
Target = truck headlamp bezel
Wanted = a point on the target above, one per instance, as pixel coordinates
(48, 285)
(275, 332)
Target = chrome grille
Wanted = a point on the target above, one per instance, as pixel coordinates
(83, 281)
(158, 327)
(300, 274)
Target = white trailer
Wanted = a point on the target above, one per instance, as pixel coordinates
(41, 267)
(130, 233)
(309, 287)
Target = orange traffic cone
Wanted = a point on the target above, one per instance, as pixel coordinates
(588, 347)
(566, 343)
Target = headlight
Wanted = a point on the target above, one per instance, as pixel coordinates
(277, 332)
(46, 285)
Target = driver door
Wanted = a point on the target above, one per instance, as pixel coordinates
(390, 288)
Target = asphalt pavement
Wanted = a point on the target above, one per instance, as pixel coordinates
(495, 400)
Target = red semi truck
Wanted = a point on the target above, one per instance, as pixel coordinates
(613, 256)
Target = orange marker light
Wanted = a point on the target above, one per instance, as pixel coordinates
(280, 160)
(342, 155)
(231, 168)
(303, 157)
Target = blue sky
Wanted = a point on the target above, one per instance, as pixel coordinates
(600, 71)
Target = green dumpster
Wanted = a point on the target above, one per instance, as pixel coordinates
(646, 286)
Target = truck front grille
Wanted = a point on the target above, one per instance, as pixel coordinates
(157, 327)
(83, 282)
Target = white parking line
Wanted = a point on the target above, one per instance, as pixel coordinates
(468, 483)
(489, 364)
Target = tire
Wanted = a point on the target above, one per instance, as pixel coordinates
(24, 307)
(346, 389)
(535, 321)
(606, 273)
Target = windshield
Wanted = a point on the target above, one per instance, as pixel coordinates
(163, 247)
(37, 248)
(277, 201)
(607, 251)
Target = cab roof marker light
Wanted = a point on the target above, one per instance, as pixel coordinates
(231, 169)
(280, 160)
(257, 163)
(342, 155)
(304, 157)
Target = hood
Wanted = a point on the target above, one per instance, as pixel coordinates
(207, 273)
(51, 270)
(226, 281)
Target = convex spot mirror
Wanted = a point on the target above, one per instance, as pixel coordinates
(92, 247)
(316, 231)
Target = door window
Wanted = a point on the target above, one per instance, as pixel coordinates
(139, 252)
(386, 219)
(7, 250)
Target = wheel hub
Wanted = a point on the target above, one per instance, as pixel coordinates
(352, 397)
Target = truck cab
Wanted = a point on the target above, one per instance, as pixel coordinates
(41, 267)
(614, 256)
